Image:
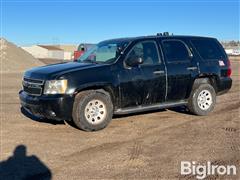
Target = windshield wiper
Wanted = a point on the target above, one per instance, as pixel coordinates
(89, 61)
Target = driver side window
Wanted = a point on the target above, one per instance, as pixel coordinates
(137, 51)
(146, 50)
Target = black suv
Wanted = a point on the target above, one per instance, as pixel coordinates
(129, 75)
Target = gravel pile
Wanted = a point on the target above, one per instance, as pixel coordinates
(14, 58)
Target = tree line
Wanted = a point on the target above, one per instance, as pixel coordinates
(230, 43)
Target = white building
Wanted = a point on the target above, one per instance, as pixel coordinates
(229, 51)
(68, 50)
(233, 51)
(44, 51)
(68, 55)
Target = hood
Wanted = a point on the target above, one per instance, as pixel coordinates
(46, 72)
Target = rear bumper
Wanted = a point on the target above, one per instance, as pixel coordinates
(57, 107)
(224, 85)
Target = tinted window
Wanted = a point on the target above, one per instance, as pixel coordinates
(208, 49)
(147, 50)
(175, 51)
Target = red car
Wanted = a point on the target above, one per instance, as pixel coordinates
(81, 49)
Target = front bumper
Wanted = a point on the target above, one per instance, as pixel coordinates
(57, 107)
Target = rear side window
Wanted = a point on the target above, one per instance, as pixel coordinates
(208, 49)
(175, 51)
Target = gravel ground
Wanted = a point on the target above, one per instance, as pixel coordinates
(143, 146)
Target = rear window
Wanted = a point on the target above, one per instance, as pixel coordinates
(208, 49)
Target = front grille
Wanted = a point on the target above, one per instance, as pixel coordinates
(37, 81)
(33, 86)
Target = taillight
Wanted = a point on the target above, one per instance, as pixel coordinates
(229, 70)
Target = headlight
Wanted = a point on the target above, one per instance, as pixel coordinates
(55, 87)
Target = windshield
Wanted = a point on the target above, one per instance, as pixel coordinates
(105, 52)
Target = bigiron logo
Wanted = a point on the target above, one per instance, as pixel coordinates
(201, 171)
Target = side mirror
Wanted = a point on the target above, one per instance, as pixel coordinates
(134, 61)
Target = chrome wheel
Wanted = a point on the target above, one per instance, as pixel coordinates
(204, 99)
(95, 111)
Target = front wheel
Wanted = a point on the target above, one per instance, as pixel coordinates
(202, 99)
(92, 110)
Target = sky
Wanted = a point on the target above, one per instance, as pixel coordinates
(27, 22)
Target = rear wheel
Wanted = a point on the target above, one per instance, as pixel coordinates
(92, 110)
(202, 99)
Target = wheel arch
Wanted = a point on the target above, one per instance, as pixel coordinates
(105, 88)
(212, 79)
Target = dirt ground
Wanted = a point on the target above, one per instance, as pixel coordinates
(143, 146)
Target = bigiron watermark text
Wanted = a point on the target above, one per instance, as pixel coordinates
(203, 170)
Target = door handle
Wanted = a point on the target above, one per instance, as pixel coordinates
(158, 72)
(192, 68)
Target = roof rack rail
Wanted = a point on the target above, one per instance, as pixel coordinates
(164, 34)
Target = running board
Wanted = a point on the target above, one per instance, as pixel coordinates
(148, 108)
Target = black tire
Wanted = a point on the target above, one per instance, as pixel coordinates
(193, 105)
(80, 105)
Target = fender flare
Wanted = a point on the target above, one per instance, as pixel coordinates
(103, 87)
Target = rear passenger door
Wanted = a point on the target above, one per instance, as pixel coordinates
(181, 68)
